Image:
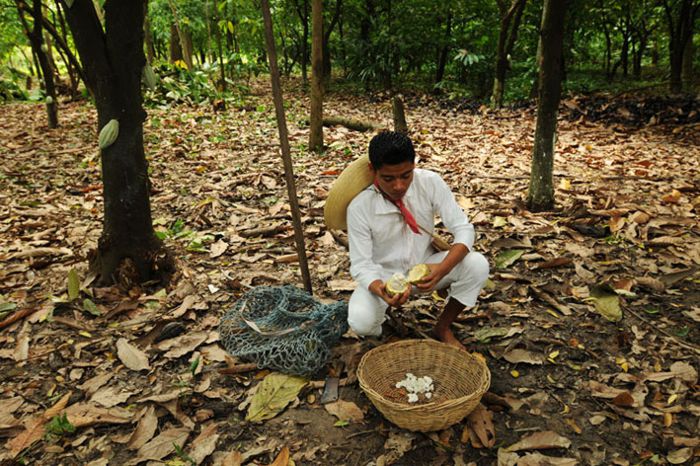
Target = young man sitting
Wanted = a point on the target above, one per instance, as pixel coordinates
(390, 226)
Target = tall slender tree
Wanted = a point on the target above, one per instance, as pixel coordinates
(113, 58)
(316, 117)
(541, 192)
(511, 14)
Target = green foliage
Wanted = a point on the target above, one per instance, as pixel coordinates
(59, 426)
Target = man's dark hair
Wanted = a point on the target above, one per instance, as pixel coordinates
(390, 148)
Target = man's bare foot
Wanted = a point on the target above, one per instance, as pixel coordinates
(446, 336)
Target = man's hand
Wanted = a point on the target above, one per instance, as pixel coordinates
(394, 300)
(437, 273)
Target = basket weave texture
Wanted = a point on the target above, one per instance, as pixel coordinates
(460, 380)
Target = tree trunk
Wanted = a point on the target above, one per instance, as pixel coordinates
(687, 67)
(510, 22)
(303, 13)
(444, 50)
(40, 50)
(400, 125)
(148, 36)
(128, 251)
(327, 39)
(184, 37)
(175, 48)
(541, 192)
(680, 24)
(220, 50)
(316, 117)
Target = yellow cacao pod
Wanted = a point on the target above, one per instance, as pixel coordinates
(108, 134)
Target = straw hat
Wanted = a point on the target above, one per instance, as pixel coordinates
(351, 182)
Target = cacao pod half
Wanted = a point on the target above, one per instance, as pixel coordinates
(149, 77)
(108, 134)
(418, 273)
(397, 284)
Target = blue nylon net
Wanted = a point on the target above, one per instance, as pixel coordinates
(283, 328)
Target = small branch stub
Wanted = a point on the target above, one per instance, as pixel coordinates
(108, 134)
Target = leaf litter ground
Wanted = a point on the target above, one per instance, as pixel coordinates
(589, 323)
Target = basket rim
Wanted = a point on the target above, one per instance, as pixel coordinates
(478, 393)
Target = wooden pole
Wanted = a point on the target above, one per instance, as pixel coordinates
(284, 143)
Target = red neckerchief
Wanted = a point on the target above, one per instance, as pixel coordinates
(407, 216)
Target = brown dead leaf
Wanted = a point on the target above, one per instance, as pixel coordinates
(131, 356)
(234, 458)
(672, 198)
(162, 445)
(482, 432)
(624, 400)
(205, 443)
(111, 396)
(87, 414)
(345, 411)
(282, 458)
(95, 383)
(35, 427)
(540, 441)
(520, 355)
(145, 429)
(180, 346)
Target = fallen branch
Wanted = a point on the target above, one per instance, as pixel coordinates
(239, 369)
(264, 231)
(350, 123)
(19, 315)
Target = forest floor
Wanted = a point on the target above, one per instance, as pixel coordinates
(589, 323)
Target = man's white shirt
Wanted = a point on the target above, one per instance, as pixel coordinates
(381, 243)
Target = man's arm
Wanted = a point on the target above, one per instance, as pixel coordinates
(457, 223)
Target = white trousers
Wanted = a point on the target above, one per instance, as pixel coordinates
(367, 311)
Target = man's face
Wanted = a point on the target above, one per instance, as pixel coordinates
(394, 180)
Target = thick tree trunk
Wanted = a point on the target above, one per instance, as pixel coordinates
(541, 192)
(184, 36)
(128, 251)
(316, 118)
(680, 25)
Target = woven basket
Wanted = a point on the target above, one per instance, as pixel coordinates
(459, 379)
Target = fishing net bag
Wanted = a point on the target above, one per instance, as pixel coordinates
(283, 328)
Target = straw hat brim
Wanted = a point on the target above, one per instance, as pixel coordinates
(351, 182)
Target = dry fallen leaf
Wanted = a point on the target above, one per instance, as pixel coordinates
(35, 427)
(481, 430)
(205, 443)
(131, 356)
(345, 411)
(145, 429)
(163, 445)
(540, 441)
